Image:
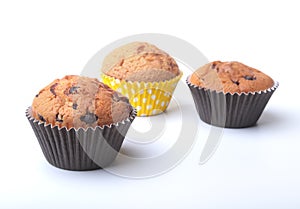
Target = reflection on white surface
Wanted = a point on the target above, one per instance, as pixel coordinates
(257, 167)
(172, 133)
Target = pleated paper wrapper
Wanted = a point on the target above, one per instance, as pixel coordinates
(230, 110)
(80, 149)
(149, 98)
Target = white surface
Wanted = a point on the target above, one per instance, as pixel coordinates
(256, 167)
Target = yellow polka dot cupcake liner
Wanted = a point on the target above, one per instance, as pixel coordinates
(149, 98)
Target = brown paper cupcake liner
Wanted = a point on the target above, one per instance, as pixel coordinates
(80, 149)
(230, 110)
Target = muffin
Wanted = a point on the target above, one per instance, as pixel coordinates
(230, 94)
(144, 73)
(80, 122)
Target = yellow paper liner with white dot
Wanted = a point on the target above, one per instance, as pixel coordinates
(149, 98)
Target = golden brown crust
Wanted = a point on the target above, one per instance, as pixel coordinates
(231, 77)
(140, 61)
(148, 67)
(77, 101)
(128, 50)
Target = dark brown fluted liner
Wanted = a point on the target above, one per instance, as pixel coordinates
(230, 110)
(82, 149)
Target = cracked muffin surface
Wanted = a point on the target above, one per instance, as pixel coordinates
(79, 102)
(140, 61)
(231, 77)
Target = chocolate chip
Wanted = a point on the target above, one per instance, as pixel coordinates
(140, 49)
(102, 85)
(58, 118)
(52, 88)
(122, 61)
(89, 118)
(73, 89)
(74, 106)
(213, 65)
(173, 65)
(250, 78)
(236, 82)
(116, 97)
(41, 118)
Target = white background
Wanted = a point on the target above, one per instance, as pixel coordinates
(256, 167)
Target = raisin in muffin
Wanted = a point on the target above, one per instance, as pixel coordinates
(230, 94)
(75, 101)
(140, 67)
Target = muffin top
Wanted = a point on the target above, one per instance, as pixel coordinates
(230, 77)
(79, 102)
(140, 61)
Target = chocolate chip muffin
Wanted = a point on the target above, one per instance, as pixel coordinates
(75, 101)
(230, 94)
(231, 77)
(140, 61)
(141, 71)
(80, 123)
